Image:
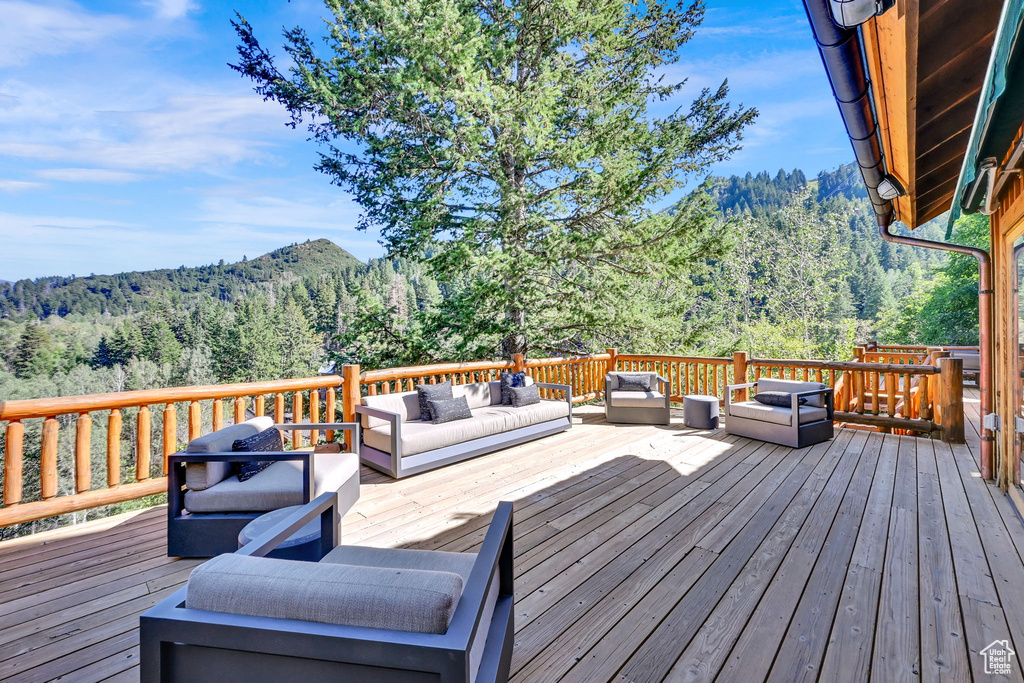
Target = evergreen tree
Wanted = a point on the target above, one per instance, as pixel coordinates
(34, 355)
(521, 134)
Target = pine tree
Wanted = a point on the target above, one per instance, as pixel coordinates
(34, 355)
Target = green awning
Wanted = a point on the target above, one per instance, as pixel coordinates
(1001, 104)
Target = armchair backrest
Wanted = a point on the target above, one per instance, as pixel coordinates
(202, 475)
(791, 386)
(613, 379)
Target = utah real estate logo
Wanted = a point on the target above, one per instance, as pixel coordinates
(997, 657)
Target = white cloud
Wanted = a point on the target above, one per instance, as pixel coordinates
(172, 9)
(29, 29)
(18, 186)
(88, 175)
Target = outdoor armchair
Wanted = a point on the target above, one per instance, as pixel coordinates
(637, 407)
(796, 425)
(207, 506)
(265, 628)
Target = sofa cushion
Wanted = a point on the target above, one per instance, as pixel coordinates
(278, 486)
(203, 475)
(508, 381)
(634, 399)
(479, 394)
(792, 386)
(267, 441)
(778, 398)
(524, 396)
(636, 381)
(419, 437)
(432, 392)
(776, 414)
(449, 410)
(412, 600)
(406, 404)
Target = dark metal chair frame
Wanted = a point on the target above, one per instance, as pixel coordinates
(394, 464)
(205, 534)
(794, 435)
(181, 644)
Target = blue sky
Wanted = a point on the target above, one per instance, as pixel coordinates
(126, 143)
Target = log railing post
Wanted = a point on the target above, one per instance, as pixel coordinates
(170, 433)
(935, 399)
(218, 414)
(114, 448)
(144, 429)
(739, 371)
(329, 412)
(83, 453)
(518, 362)
(14, 444)
(195, 420)
(48, 459)
(296, 419)
(239, 409)
(350, 394)
(613, 362)
(314, 415)
(951, 372)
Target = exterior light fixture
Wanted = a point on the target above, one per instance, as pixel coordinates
(853, 13)
(890, 188)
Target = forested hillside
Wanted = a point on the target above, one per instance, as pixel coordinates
(802, 273)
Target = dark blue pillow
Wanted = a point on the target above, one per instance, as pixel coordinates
(432, 392)
(509, 380)
(448, 410)
(777, 398)
(269, 440)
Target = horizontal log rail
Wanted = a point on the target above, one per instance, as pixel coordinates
(58, 437)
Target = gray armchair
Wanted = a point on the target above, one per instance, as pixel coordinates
(359, 614)
(637, 407)
(207, 506)
(812, 404)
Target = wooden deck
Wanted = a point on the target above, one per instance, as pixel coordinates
(642, 554)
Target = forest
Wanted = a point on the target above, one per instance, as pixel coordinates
(802, 274)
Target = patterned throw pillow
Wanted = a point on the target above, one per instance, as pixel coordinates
(432, 392)
(448, 410)
(267, 440)
(636, 382)
(509, 380)
(525, 396)
(777, 398)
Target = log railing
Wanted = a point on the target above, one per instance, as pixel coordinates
(73, 445)
(685, 374)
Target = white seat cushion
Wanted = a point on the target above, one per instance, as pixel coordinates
(637, 399)
(413, 600)
(278, 486)
(784, 416)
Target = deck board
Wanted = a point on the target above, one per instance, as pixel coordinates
(642, 554)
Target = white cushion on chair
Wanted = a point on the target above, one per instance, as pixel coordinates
(753, 410)
(412, 600)
(637, 399)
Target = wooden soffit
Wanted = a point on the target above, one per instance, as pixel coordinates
(927, 61)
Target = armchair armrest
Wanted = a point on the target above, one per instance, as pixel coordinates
(395, 421)
(826, 392)
(730, 389)
(354, 427)
(325, 506)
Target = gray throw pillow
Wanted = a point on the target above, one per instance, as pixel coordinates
(636, 382)
(432, 392)
(267, 441)
(509, 380)
(525, 396)
(777, 398)
(448, 410)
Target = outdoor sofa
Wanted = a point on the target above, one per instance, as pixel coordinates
(637, 407)
(397, 442)
(207, 505)
(812, 404)
(359, 614)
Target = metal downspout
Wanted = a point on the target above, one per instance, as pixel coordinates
(843, 57)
